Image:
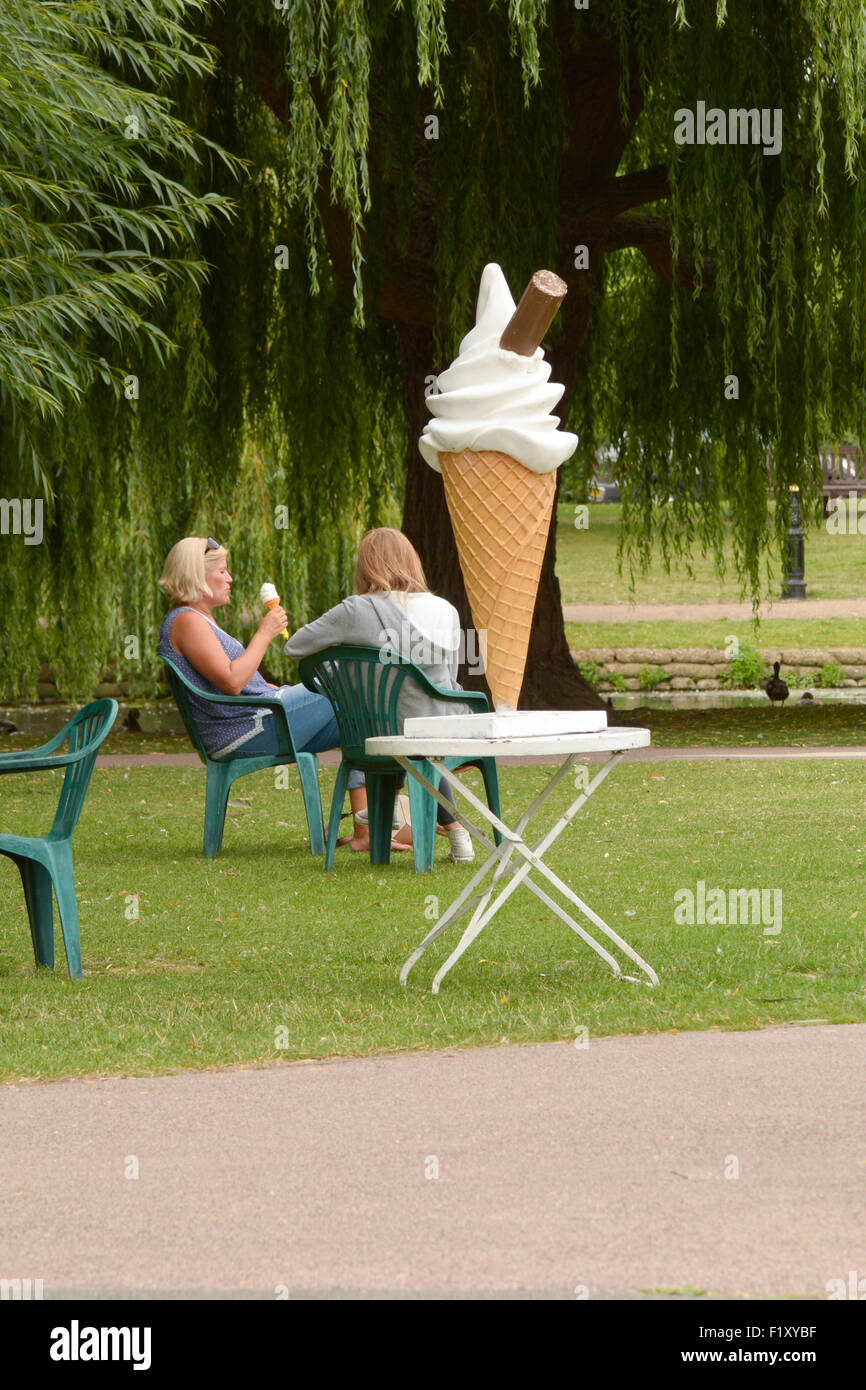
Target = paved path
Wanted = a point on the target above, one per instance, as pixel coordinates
(706, 612)
(638, 755)
(558, 1167)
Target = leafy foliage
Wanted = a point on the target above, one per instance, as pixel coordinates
(747, 669)
(276, 380)
(92, 222)
(141, 400)
(831, 675)
(771, 250)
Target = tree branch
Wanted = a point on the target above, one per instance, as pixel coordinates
(651, 235)
(614, 196)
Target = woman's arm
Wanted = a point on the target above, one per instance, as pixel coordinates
(330, 630)
(193, 636)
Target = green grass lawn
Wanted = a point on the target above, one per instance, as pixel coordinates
(587, 572)
(825, 633)
(792, 725)
(226, 953)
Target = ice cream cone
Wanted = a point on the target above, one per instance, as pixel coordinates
(271, 599)
(275, 603)
(501, 513)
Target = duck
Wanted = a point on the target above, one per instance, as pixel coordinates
(7, 727)
(130, 724)
(808, 696)
(776, 688)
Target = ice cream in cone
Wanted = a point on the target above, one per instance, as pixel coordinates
(271, 599)
(497, 446)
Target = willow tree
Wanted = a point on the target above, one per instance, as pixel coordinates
(715, 315)
(141, 399)
(98, 235)
(713, 329)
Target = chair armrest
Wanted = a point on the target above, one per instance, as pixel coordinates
(36, 759)
(251, 701)
(255, 702)
(463, 697)
(28, 761)
(41, 749)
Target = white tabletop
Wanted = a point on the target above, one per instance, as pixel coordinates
(528, 745)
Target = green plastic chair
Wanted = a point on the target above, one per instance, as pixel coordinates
(364, 689)
(221, 773)
(46, 862)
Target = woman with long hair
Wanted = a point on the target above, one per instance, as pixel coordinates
(392, 607)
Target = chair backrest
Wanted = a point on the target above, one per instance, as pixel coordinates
(178, 687)
(85, 732)
(363, 685)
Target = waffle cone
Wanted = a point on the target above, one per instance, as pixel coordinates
(275, 603)
(500, 511)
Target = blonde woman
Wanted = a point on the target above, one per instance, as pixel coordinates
(196, 580)
(393, 606)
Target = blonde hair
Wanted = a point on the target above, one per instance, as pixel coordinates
(388, 560)
(184, 575)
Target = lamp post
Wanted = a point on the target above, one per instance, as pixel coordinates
(795, 582)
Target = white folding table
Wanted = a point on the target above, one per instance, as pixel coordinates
(513, 859)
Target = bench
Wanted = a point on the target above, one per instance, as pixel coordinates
(841, 472)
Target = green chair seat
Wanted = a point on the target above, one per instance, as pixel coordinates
(45, 862)
(222, 772)
(363, 686)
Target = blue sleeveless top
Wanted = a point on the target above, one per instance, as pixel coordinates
(223, 728)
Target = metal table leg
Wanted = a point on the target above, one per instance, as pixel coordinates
(500, 861)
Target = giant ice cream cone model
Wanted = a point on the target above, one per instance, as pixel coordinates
(497, 447)
(501, 514)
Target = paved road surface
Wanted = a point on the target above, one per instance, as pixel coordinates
(559, 1168)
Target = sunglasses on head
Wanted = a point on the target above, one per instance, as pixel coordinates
(211, 544)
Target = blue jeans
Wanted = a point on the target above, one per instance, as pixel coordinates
(314, 729)
(312, 722)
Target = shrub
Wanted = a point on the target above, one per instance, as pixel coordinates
(618, 682)
(589, 671)
(746, 671)
(830, 674)
(649, 676)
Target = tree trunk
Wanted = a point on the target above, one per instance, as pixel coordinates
(552, 680)
(592, 201)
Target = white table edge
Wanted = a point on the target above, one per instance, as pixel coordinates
(504, 746)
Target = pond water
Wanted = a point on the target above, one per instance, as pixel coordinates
(45, 720)
(42, 721)
(729, 699)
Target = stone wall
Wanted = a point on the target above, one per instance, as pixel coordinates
(685, 668)
(109, 686)
(702, 668)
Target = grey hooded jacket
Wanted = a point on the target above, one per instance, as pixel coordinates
(425, 631)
